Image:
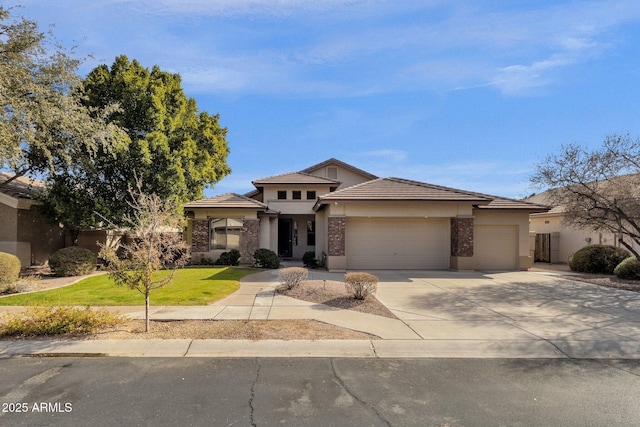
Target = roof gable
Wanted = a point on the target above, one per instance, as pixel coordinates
(335, 162)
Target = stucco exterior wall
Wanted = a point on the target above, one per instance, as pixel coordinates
(396, 209)
(569, 239)
(8, 223)
(345, 176)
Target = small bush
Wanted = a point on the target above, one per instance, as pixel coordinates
(361, 285)
(73, 261)
(309, 259)
(601, 259)
(629, 269)
(23, 284)
(229, 258)
(292, 276)
(42, 321)
(9, 268)
(266, 258)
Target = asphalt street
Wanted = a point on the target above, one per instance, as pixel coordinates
(97, 391)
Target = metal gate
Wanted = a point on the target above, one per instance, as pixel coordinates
(543, 248)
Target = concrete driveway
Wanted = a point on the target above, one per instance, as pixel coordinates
(527, 312)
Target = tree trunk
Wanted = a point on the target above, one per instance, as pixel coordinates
(146, 311)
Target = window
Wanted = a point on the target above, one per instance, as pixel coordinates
(311, 195)
(282, 195)
(225, 233)
(332, 172)
(297, 195)
(311, 233)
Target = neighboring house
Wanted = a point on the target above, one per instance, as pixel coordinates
(555, 241)
(23, 232)
(352, 219)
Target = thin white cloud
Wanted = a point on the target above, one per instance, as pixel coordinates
(387, 154)
(343, 48)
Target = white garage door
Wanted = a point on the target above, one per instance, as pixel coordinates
(397, 243)
(496, 247)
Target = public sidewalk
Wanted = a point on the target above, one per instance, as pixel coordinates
(441, 314)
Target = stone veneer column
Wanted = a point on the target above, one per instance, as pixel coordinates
(200, 235)
(250, 239)
(336, 235)
(462, 237)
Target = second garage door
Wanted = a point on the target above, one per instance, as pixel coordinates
(397, 243)
(496, 247)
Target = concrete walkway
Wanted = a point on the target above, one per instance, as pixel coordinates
(441, 314)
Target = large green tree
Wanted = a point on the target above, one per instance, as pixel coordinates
(171, 147)
(44, 123)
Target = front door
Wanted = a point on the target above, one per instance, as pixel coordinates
(285, 241)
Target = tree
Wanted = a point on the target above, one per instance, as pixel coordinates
(155, 243)
(44, 124)
(173, 148)
(599, 189)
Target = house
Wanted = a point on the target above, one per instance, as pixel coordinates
(556, 241)
(23, 232)
(354, 220)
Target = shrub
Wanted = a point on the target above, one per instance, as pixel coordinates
(309, 259)
(292, 276)
(9, 268)
(39, 321)
(73, 261)
(361, 284)
(628, 269)
(266, 258)
(229, 258)
(597, 259)
(23, 284)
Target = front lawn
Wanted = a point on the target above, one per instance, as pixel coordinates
(190, 286)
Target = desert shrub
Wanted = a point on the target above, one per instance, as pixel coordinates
(73, 261)
(292, 276)
(360, 285)
(229, 258)
(601, 259)
(23, 284)
(628, 269)
(9, 268)
(309, 259)
(266, 258)
(40, 321)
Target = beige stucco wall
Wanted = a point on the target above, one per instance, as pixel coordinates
(570, 239)
(400, 209)
(8, 223)
(345, 176)
(25, 233)
(270, 193)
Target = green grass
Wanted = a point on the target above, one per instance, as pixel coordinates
(190, 286)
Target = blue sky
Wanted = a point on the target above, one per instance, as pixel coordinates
(467, 94)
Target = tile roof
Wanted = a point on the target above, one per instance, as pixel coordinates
(398, 189)
(333, 161)
(402, 189)
(228, 200)
(296, 178)
(21, 187)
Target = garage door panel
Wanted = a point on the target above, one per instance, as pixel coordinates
(496, 247)
(400, 243)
